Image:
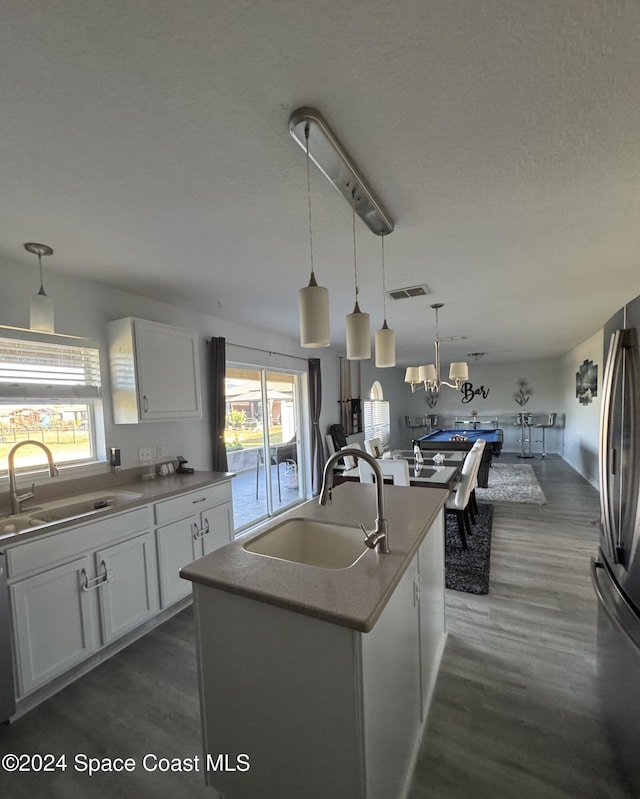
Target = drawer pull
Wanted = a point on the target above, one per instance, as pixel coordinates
(195, 501)
(89, 584)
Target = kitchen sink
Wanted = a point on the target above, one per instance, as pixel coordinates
(322, 544)
(68, 508)
(86, 503)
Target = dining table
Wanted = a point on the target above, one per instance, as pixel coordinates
(421, 475)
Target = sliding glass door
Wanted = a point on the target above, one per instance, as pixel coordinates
(262, 436)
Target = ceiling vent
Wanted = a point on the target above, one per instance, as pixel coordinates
(409, 292)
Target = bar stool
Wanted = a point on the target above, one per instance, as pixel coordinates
(551, 421)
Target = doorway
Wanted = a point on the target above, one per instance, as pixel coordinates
(263, 429)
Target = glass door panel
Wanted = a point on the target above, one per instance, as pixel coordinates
(261, 435)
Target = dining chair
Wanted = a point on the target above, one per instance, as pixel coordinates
(459, 502)
(479, 446)
(397, 470)
(374, 447)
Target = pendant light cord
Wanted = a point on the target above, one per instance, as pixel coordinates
(384, 285)
(306, 135)
(355, 260)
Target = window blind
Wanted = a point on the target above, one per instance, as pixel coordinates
(377, 420)
(60, 368)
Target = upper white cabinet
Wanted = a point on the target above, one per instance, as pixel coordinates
(155, 372)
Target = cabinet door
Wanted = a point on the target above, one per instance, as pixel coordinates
(177, 546)
(55, 623)
(432, 611)
(168, 371)
(129, 589)
(391, 690)
(218, 524)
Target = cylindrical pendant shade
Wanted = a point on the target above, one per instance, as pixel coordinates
(358, 335)
(41, 313)
(458, 371)
(411, 375)
(428, 374)
(313, 308)
(385, 347)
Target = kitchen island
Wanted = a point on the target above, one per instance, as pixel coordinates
(315, 681)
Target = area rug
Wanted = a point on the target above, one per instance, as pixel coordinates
(468, 569)
(512, 482)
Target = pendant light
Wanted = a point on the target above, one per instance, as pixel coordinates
(358, 327)
(385, 337)
(313, 300)
(41, 317)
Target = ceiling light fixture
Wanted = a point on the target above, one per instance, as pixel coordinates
(385, 337)
(313, 300)
(41, 317)
(358, 326)
(429, 375)
(335, 163)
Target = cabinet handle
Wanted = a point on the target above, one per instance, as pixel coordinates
(89, 584)
(195, 501)
(145, 403)
(206, 529)
(198, 533)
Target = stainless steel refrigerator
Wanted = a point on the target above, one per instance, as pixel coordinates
(616, 570)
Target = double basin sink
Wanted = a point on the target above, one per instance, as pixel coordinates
(64, 509)
(313, 543)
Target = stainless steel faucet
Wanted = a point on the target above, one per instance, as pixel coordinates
(16, 501)
(379, 536)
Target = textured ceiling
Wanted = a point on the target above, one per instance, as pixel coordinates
(148, 143)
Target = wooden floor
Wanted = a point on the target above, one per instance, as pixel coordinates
(515, 713)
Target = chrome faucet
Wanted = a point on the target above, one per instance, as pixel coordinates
(378, 538)
(17, 500)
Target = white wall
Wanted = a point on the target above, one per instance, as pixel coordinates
(581, 443)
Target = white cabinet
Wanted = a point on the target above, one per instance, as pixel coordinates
(200, 522)
(129, 594)
(55, 623)
(155, 372)
(75, 591)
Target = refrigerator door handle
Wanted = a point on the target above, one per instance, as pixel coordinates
(608, 453)
(597, 567)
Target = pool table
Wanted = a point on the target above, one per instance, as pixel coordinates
(441, 439)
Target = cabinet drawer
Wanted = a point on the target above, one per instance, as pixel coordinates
(170, 510)
(53, 548)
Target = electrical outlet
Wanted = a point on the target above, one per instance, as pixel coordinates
(160, 452)
(144, 454)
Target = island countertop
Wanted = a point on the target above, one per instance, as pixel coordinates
(352, 597)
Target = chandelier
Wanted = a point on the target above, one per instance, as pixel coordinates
(429, 375)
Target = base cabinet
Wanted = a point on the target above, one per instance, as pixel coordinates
(336, 712)
(192, 536)
(129, 595)
(72, 605)
(55, 623)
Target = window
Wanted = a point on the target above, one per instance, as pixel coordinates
(377, 421)
(49, 392)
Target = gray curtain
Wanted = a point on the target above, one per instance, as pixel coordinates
(217, 370)
(315, 404)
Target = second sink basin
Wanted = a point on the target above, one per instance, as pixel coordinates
(322, 544)
(85, 503)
